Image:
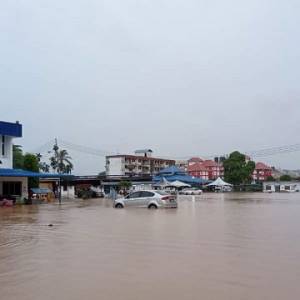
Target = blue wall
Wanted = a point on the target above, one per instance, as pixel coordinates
(10, 129)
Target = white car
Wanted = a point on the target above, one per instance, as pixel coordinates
(191, 191)
(149, 199)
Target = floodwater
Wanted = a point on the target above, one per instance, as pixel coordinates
(220, 246)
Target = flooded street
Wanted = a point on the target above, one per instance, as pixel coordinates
(220, 246)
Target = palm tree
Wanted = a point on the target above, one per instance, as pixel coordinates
(44, 167)
(61, 161)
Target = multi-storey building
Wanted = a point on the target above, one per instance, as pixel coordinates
(198, 170)
(142, 163)
(212, 169)
(8, 131)
(10, 184)
(215, 169)
(205, 169)
(261, 172)
(182, 164)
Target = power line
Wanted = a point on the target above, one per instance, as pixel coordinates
(84, 149)
(266, 152)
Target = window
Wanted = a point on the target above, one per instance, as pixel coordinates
(146, 194)
(3, 145)
(12, 188)
(134, 195)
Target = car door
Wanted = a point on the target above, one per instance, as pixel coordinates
(133, 199)
(145, 198)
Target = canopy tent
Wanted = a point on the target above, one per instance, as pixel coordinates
(219, 182)
(163, 183)
(179, 184)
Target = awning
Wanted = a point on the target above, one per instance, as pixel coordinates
(41, 190)
(25, 173)
(163, 182)
(183, 178)
(179, 184)
(219, 182)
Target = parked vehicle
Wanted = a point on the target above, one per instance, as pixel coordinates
(150, 199)
(191, 191)
(6, 202)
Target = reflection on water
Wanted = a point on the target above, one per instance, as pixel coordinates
(215, 246)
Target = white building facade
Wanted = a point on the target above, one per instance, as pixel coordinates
(6, 151)
(142, 163)
(281, 187)
(10, 184)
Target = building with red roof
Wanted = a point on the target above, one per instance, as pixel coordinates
(261, 172)
(194, 160)
(198, 170)
(205, 169)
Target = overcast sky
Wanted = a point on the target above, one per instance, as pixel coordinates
(181, 77)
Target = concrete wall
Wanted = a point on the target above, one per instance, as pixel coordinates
(69, 193)
(116, 166)
(23, 180)
(7, 158)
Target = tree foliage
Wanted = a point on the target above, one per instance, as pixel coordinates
(285, 178)
(18, 157)
(270, 178)
(237, 170)
(31, 163)
(61, 161)
(125, 185)
(43, 166)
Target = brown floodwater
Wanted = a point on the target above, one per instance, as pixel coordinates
(220, 246)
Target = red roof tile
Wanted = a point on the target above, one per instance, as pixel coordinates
(262, 166)
(197, 167)
(210, 163)
(195, 160)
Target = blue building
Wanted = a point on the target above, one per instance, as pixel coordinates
(14, 182)
(173, 173)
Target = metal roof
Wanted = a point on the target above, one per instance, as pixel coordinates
(41, 190)
(24, 173)
(173, 170)
(10, 129)
(182, 178)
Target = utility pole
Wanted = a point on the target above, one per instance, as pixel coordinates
(59, 180)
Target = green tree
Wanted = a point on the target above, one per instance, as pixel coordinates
(18, 157)
(237, 170)
(270, 178)
(61, 161)
(31, 163)
(125, 185)
(285, 178)
(44, 167)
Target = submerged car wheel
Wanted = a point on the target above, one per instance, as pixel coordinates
(119, 205)
(152, 206)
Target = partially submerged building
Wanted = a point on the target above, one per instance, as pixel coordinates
(14, 182)
(281, 187)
